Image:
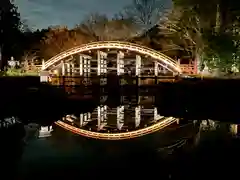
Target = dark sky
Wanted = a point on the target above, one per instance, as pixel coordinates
(43, 13)
(40, 14)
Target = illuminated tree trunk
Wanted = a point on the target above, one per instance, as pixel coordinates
(198, 62)
(1, 65)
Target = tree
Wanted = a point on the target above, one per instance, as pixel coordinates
(144, 13)
(9, 30)
(28, 58)
(93, 26)
(97, 27)
(58, 39)
(208, 30)
(184, 28)
(206, 10)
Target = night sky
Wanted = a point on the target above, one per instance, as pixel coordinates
(40, 14)
(43, 13)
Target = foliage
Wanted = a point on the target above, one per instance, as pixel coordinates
(220, 51)
(17, 72)
(205, 30)
(58, 39)
(95, 27)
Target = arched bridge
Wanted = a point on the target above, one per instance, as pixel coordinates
(101, 58)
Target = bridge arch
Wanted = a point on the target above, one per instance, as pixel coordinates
(158, 57)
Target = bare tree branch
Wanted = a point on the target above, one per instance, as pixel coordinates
(145, 13)
(187, 28)
(98, 27)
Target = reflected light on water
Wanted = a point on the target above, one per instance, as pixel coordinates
(122, 122)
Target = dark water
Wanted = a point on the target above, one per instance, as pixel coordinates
(196, 147)
(176, 151)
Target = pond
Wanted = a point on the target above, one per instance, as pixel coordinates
(126, 136)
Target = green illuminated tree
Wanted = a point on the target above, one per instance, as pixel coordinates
(209, 28)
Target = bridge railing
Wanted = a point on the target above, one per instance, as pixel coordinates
(188, 68)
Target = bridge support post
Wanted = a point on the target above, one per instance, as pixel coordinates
(102, 67)
(43, 64)
(68, 69)
(138, 69)
(86, 70)
(120, 65)
(137, 116)
(63, 68)
(156, 68)
(102, 117)
(84, 118)
(44, 76)
(62, 73)
(81, 120)
(234, 129)
(178, 121)
(72, 69)
(156, 115)
(102, 72)
(72, 65)
(120, 117)
(80, 65)
(156, 71)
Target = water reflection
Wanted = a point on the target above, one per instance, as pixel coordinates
(172, 142)
(171, 146)
(120, 119)
(122, 122)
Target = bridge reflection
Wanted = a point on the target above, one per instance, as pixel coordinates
(132, 118)
(119, 136)
(122, 118)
